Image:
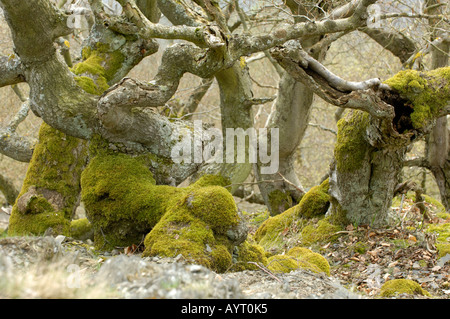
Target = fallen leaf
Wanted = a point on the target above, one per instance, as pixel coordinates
(130, 249)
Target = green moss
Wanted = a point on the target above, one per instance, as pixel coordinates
(439, 209)
(428, 92)
(443, 238)
(443, 249)
(121, 199)
(38, 204)
(279, 201)
(195, 226)
(269, 233)
(221, 259)
(98, 68)
(51, 178)
(215, 206)
(248, 253)
(324, 231)
(391, 288)
(88, 84)
(315, 202)
(124, 205)
(351, 146)
(81, 229)
(208, 180)
(360, 247)
(37, 224)
(296, 258)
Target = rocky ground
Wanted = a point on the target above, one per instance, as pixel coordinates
(361, 261)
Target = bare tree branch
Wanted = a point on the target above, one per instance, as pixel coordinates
(397, 43)
(330, 87)
(11, 70)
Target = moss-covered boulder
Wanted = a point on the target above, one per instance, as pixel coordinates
(81, 229)
(196, 227)
(201, 221)
(320, 232)
(246, 255)
(391, 288)
(121, 199)
(298, 258)
(314, 204)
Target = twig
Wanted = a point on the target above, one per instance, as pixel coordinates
(401, 208)
(323, 128)
(290, 183)
(257, 182)
(265, 270)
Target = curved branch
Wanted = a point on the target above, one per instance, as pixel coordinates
(11, 70)
(397, 43)
(331, 88)
(245, 45)
(15, 146)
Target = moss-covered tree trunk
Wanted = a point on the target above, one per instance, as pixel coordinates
(50, 193)
(365, 171)
(51, 189)
(369, 151)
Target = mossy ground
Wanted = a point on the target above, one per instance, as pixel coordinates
(440, 225)
(296, 258)
(394, 287)
(305, 222)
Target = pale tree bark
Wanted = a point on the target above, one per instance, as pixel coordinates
(438, 143)
(291, 114)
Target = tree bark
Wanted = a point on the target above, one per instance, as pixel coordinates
(51, 189)
(291, 117)
(438, 142)
(364, 173)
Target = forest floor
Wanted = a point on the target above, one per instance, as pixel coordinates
(361, 260)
